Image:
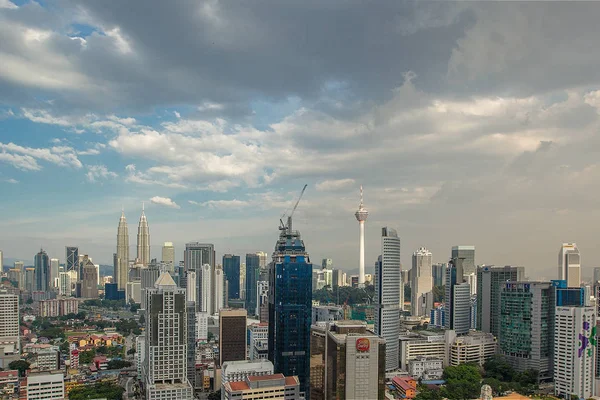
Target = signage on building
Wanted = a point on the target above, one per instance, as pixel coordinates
(363, 344)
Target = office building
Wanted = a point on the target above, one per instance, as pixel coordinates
(526, 326)
(54, 272)
(347, 361)
(243, 281)
(30, 284)
(387, 295)
(327, 263)
(45, 386)
(47, 359)
(438, 272)
(143, 240)
(474, 348)
(231, 268)
(490, 283)
(232, 335)
(252, 276)
(422, 281)
(596, 274)
(574, 352)
(195, 256)
(275, 386)
(121, 267)
(133, 292)
(238, 371)
(202, 327)
(361, 216)
(569, 264)
(71, 258)
(89, 281)
(219, 294)
(422, 344)
(336, 278)
(327, 314)
(148, 277)
(140, 354)
(9, 325)
(191, 290)
(262, 301)
(426, 368)
(290, 306)
(207, 301)
(263, 259)
(457, 298)
(467, 254)
(166, 341)
(41, 264)
(191, 342)
(259, 341)
(168, 256)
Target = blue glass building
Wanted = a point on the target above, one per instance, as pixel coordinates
(231, 269)
(252, 272)
(41, 263)
(290, 307)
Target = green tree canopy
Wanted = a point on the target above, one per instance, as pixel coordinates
(19, 365)
(98, 390)
(463, 382)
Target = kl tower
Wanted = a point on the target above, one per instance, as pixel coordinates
(361, 216)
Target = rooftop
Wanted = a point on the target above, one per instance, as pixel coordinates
(265, 377)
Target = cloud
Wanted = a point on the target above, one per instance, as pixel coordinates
(7, 4)
(164, 201)
(26, 157)
(11, 180)
(99, 172)
(223, 204)
(333, 185)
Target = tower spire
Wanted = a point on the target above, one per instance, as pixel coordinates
(361, 197)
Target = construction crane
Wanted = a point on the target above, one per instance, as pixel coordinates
(289, 218)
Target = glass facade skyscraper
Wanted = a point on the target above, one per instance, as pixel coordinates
(195, 255)
(290, 307)
(467, 254)
(457, 298)
(231, 269)
(41, 263)
(252, 273)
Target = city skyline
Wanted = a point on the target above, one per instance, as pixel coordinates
(440, 136)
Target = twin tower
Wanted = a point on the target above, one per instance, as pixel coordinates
(121, 261)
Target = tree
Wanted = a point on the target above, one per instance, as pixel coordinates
(131, 351)
(215, 395)
(425, 393)
(86, 357)
(463, 382)
(498, 367)
(118, 364)
(142, 319)
(107, 390)
(19, 365)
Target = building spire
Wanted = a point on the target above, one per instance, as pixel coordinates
(361, 197)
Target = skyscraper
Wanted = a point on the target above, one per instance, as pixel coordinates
(143, 240)
(290, 306)
(596, 274)
(54, 272)
(71, 258)
(41, 263)
(231, 268)
(438, 272)
(467, 254)
(387, 295)
(168, 256)
(195, 256)
(361, 216)
(219, 289)
(263, 257)
(122, 265)
(526, 326)
(207, 300)
(9, 324)
(457, 298)
(232, 335)
(252, 275)
(422, 280)
(166, 342)
(89, 281)
(569, 264)
(574, 352)
(490, 281)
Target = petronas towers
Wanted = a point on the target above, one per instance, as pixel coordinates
(122, 256)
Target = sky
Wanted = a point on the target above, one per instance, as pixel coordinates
(472, 123)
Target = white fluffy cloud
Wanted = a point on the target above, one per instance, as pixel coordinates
(99, 172)
(27, 158)
(164, 201)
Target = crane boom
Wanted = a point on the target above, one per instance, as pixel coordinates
(289, 219)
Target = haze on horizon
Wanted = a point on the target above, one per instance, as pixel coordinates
(466, 123)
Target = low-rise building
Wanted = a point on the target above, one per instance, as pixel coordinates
(327, 313)
(48, 360)
(422, 344)
(44, 386)
(9, 382)
(406, 386)
(476, 347)
(275, 386)
(426, 368)
(259, 341)
(238, 371)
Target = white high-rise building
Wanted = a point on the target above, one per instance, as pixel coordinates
(53, 271)
(9, 324)
(218, 290)
(143, 240)
(168, 256)
(166, 342)
(422, 280)
(191, 292)
(207, 304)
(202, 327)
(361, 216)
(574, 352)
(387, 295)
(122, 260)
(569, 264)
(1, 260)
(262, 259)
(64, 284)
